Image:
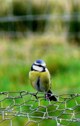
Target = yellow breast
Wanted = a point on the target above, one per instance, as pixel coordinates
(44, 80)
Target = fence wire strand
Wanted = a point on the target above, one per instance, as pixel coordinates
(35, 108)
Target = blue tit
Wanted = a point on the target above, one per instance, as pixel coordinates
(40, 79)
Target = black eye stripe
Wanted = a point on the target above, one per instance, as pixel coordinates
(39, 65)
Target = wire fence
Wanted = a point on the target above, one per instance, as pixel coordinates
(52, 22)
(35, 109)
(66, 17)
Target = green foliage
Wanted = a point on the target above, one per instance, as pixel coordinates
(34, 8)
(21, 8)
(56, 64)
(12, 75)
(4, 11)
(63, 62)
(74, 24)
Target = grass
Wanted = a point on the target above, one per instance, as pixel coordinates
(63, 62)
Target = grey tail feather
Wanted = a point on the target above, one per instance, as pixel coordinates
(50, 96)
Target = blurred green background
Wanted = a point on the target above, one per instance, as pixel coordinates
(37, 29)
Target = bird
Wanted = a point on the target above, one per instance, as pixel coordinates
(39, 77)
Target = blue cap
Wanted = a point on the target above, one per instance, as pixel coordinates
(40, 62)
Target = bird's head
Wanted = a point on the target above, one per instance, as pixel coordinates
(39, 65)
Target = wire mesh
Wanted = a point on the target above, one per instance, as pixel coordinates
(35, 109)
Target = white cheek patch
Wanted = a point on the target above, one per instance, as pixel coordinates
(37, 68)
